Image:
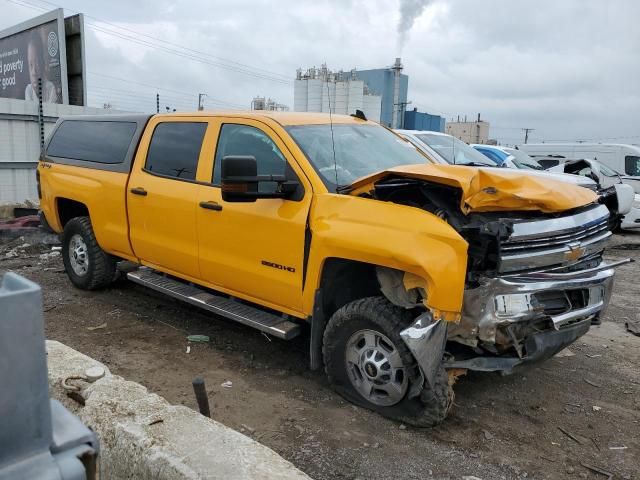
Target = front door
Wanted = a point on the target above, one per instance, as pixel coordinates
(255, 250)
(162, 196)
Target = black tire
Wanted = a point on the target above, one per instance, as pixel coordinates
(427, 409)
(101, 267)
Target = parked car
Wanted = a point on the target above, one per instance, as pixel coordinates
(276, 220)
(445, 149)
(607, 180)
(605, 176)
(509, 157)
(624, 158)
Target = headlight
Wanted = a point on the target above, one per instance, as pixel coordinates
(636, 201)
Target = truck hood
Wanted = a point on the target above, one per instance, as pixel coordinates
(563, 177)
(491, 189)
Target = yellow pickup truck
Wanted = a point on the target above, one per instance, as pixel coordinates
(401, 274)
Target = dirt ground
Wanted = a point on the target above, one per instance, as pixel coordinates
(545, 421)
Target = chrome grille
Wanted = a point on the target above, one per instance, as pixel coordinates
(580, 234)
(555, 242)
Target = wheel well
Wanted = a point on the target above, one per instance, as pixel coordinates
(344, 281)
(68, 209)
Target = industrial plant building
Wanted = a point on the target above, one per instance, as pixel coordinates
(469, 132)
(415, 120)
(380, 93)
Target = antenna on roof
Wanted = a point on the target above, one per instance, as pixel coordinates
(359, 114)
(333, 143)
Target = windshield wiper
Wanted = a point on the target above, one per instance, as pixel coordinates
(475, 164)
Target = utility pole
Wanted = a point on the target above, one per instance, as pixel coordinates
(526, 133)
(201, 101)
(157, 103)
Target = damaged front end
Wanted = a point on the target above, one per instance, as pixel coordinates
(536, 280)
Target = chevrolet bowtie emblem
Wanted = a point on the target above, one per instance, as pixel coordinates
(576, 251)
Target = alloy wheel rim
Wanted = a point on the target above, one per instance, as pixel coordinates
(375, 368)
(78, 256)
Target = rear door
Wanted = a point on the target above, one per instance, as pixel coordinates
(255, 250)
(162, 195)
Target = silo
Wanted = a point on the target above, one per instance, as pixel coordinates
(300, 95)
(356, 94)
(371, 106)
(342, 97)
(314, 95)
(329, 96)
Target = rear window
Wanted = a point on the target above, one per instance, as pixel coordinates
(175, 149)
(101, 142)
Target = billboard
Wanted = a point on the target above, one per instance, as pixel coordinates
(32, 50)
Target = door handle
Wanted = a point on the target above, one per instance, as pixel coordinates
(139, 191)
(211, 206)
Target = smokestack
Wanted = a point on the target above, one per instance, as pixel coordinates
(397, 108)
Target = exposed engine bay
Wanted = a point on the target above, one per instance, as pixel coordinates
(488, 233)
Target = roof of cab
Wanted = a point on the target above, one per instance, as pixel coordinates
(283, 118)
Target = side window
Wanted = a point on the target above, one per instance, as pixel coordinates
(246, 140)
(548, 163)
(632, 165)
(175, 149)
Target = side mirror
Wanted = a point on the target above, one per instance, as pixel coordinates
(240, 180)
(239, 175)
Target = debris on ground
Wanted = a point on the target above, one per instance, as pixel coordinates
(596, 408)
(573, 437)
(198, 338)
(188, 349)
(633, 326)
(593, 384)
(565, 353)
(601, 471)
(227, 384)
(98, 327)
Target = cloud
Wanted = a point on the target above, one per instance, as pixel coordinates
(568, 69)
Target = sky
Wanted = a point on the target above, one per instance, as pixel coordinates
(568, 69)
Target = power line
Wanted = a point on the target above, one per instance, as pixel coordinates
(286, 77)
(246, 70)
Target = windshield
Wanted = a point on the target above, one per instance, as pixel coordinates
(360, 150)
(455, 151)
(606, 171)
(522, 160)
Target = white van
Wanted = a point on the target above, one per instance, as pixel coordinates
(622, 158)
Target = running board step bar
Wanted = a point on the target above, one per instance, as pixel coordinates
(247, 315)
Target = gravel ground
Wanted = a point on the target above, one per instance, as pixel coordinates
(545, 421)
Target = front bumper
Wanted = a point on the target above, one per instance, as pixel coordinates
(515, 319)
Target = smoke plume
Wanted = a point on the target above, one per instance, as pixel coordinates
(410, 10)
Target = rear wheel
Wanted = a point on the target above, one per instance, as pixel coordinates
(87, 265)
(368, 363)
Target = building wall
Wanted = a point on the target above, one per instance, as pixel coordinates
(380, 82)
(469, 132)
(20, 143)
(414, 120)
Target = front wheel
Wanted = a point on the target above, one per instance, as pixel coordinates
(368, 363)
(87, 265)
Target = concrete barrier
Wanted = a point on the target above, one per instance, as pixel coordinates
(144, 437)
